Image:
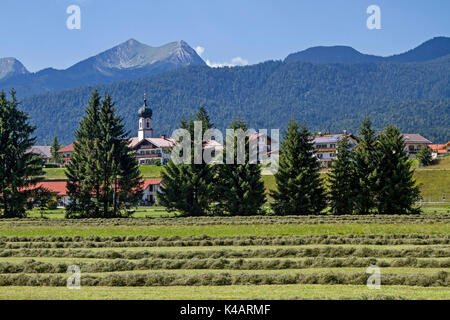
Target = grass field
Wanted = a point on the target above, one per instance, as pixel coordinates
(441, 163)
(433, 180)
(58, 173)
(142, 212)
(227, 258)
(224, 230)
(220, 292)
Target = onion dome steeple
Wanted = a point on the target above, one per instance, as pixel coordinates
(145, 111)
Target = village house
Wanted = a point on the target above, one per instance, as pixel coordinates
(151, 188)
(42, 151)
(325, 147)
(439, 150)
(66, 153)
(59, 189)
(413, 141)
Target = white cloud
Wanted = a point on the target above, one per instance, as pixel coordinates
(199, 50)
(237, 61)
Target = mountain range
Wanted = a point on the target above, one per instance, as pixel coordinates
(330, 92)
(128, 60)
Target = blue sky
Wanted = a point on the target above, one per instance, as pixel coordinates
(35, 31)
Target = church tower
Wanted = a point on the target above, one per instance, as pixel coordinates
(145, 121)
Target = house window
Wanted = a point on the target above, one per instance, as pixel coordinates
(148, 124)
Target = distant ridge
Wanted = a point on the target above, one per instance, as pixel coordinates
(429, 50)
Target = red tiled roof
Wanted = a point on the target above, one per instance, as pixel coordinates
(148, 182)
(437, 146)
(69, 148)
(57, 186)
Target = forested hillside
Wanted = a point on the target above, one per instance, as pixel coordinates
(331, 97)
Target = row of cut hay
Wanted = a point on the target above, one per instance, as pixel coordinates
(177, 241)
(235, 220)
(33, 266)
(329, 251)
(438, 279)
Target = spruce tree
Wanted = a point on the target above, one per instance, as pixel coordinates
(425, 156)
(104, 178)
(299, 186)
(364, 161)
(188, 188)
(19, 170)
(343, 182)
(240, 189)
(81, 179)
(56, 157)
(395, 188)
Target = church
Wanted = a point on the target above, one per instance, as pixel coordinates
(148, 149)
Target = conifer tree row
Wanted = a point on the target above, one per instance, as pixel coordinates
(299, 186)
(395, 191)
(374, 178)
(343, 180)
(189, 188)
(239, 187)
(365, 167)
(104, 178)
(19, 170)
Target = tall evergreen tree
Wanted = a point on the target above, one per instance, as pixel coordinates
(19, 170)
(343, 182)
(104, 178)
(240, 189)
(299, 186)
(364, 161)
(188, 188)
(395, 189)
(56, 157)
